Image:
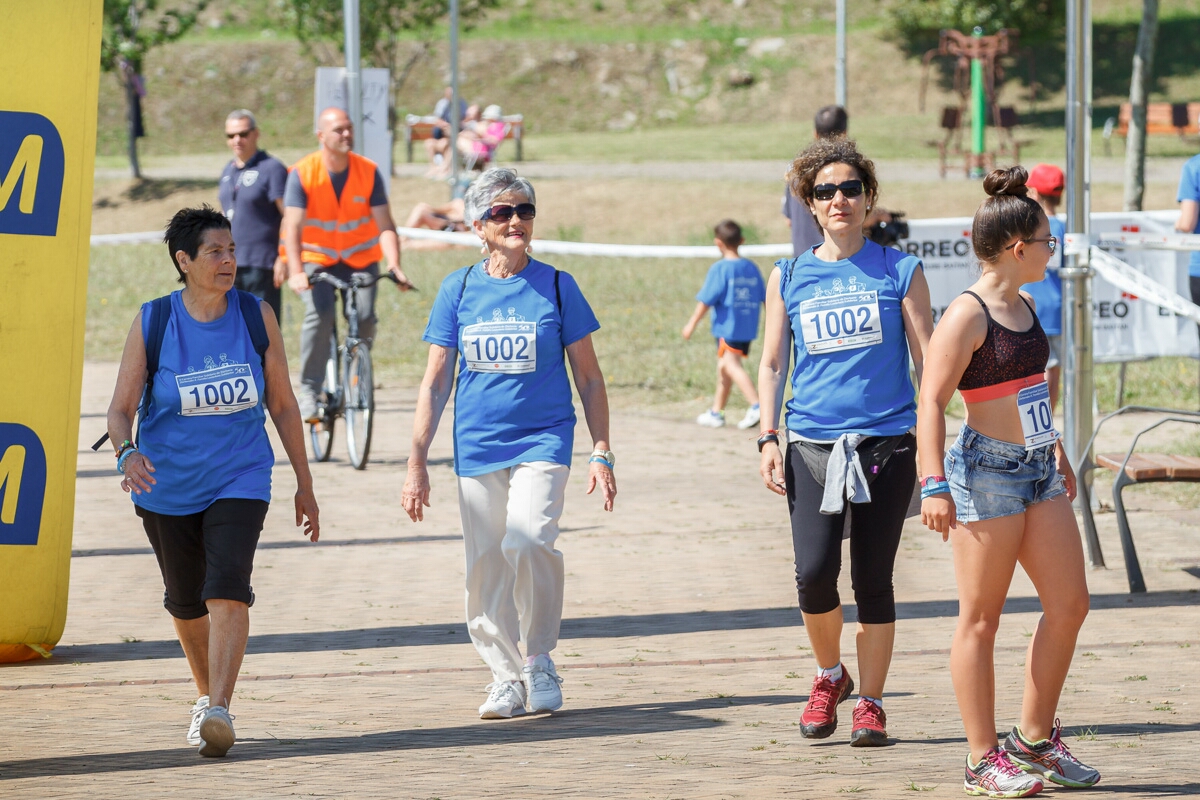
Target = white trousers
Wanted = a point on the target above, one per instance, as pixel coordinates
(514, 574)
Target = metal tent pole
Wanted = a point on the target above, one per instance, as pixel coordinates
(1078, 387)
(840, 62)
(454, 101)
(353, 65)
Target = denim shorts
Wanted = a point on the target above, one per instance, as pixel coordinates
(990, 478)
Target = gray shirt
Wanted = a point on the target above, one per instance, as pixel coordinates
(806, 233)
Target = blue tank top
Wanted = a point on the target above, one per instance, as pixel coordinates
(205, 430)
(849, 345)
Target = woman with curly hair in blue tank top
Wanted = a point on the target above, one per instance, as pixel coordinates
(1005, 495)
(850, 313)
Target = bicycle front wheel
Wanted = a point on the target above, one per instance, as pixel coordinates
(321, 433)
(360, 405)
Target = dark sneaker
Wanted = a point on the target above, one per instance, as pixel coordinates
(997, 776)
(870, 726)
(819, 719)
(1050, 758)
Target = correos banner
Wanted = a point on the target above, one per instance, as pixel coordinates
(51, 67)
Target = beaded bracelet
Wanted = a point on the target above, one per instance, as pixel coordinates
(125, 445)
(125, 457)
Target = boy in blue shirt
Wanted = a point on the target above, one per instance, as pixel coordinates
(735, 291)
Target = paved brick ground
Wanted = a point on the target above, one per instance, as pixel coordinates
(684, 661)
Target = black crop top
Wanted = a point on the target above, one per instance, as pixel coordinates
(1006, 356)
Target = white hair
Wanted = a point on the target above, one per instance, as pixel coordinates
(491, 184)
(242, 113)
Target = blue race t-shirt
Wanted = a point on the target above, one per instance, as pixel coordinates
(849, 344)
(735, 291)
(247, 195)
(205, 432)
(1047, 293)
(513, 401)
(1189, 189)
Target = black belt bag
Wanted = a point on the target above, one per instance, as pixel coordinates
(873, 454)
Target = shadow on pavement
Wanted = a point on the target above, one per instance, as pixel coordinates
(605, 627)
(630, 720)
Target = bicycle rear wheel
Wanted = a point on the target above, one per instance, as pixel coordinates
(360, 405)
(321, 433)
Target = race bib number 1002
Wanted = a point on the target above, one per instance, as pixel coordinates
(508, 347)
(226, 389)
(841, 322)
(1037, 421)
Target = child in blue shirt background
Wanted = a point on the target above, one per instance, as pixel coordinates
(735, 291)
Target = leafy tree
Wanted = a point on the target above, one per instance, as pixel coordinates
(131, 29)
(1037, 20)
(1139, 88)
(381, 26)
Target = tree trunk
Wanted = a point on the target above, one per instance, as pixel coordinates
(1139, 84)
(133, 128)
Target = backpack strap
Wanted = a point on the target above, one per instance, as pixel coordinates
(160, 315)
(252, 315)
(557, 294)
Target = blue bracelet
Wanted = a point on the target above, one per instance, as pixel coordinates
(599, 460)
(125, 457)
(941, 487)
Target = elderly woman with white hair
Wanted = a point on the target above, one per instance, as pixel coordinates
(503, 325)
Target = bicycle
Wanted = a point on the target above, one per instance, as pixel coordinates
(349, 387)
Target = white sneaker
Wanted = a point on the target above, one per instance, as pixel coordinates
(753, 415)
(216, 732)
(542, 683)
(505, 699)
(711, 419)
(193, 737)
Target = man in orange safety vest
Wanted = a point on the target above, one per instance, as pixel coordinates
(336, 218)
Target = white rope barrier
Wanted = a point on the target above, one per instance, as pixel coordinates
(1128, 279)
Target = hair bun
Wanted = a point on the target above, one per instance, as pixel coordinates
(1010, 182)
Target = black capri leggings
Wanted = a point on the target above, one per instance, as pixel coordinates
(874, 536)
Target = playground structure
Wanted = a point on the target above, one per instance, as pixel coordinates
(977, 72)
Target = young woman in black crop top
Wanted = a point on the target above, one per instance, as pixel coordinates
(1005, 495)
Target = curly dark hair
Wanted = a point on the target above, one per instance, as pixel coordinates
(1008, 213)
(802, 175)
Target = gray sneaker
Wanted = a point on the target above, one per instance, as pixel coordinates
(542, 683)
(996, 775)
(216, 732)
(201, 705)
(308, 406)
(506, 699)
(1050, 758)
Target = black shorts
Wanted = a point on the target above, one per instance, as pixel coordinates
(725, 345)
(206, 556)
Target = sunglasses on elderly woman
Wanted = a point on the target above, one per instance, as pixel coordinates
(849, 189)
(525, 211)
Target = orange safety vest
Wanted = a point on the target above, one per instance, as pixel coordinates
(338, 230)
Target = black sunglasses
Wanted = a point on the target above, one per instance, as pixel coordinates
(244, 134)
(1051, 242)
(525, 211)
(826, 191)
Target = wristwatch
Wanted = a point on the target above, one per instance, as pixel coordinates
(607, 455)
(769, 436)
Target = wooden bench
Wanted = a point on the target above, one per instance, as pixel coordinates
(418, 128)
(1181, 119)
(1129, 468)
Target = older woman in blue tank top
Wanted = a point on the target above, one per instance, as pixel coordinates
(200, 472)
(1002, 495)
(851, 314)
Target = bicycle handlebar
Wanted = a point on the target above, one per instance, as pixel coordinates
(359, 280)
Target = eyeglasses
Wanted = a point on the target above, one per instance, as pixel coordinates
(525, 211)
(849, 189)
(1051, 242)
(244, 134)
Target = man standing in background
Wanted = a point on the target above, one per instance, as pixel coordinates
(251, 195)
(829, 122)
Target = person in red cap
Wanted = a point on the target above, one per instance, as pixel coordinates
(1046, 182)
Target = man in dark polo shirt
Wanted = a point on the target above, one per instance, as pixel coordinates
(251, 195)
